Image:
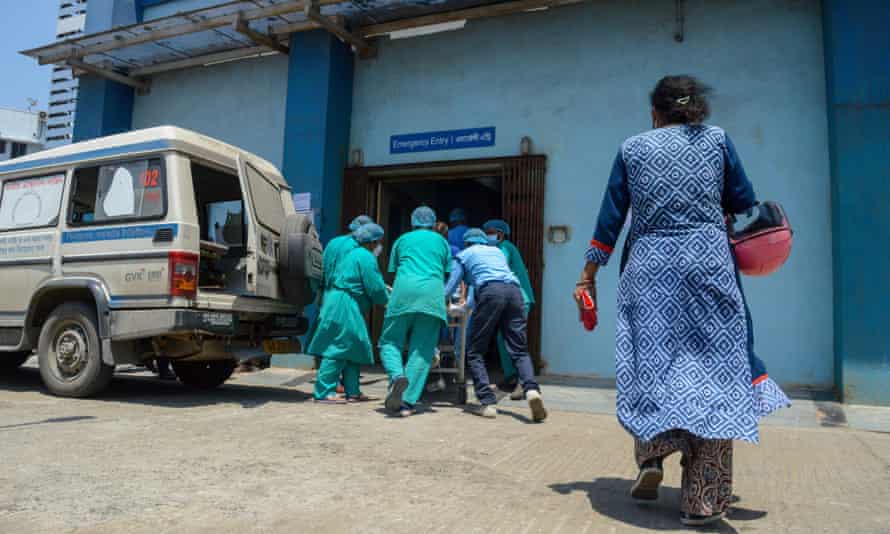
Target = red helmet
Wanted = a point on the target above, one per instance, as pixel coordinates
(760, 239)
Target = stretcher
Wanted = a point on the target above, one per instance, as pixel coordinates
(453, 352)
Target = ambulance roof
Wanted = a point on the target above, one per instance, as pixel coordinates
(139, 142)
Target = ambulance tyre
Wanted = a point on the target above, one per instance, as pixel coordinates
(204, 375)
(299, 243)
(69, 352)
(10, 361)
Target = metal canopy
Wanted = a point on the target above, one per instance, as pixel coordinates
(246, 28)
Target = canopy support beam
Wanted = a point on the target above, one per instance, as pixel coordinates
(338, 29)
(140, 85)
(243, 27)
(201, 61)
(116, 40)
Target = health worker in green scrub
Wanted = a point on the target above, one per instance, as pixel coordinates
(421, 261)
(497, 231)
(336, 250)
(342, 337)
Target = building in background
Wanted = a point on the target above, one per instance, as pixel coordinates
(63, 86)
(516, 108)
(21, 132)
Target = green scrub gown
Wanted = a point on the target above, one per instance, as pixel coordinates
(514, 260)
(421, 260)
(336, 250)
(342, 336)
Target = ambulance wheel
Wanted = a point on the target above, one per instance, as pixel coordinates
(204, 375)
(461, 394)
(11, 361)
(69, 352)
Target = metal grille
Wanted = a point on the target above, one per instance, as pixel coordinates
(356, 198)
(523, 206)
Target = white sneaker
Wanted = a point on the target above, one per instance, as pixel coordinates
(488, 411)
(536, 403)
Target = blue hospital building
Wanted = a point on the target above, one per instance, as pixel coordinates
(516, 108)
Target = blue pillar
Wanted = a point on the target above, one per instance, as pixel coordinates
(317, 119)
(318, 113)
(857, 65)
(104, 107)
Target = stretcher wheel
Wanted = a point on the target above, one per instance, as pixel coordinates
(461, 393)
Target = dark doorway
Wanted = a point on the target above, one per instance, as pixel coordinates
(480, 197)
(508, 188)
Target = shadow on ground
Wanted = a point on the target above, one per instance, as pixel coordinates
(152, 391)
(611, 497)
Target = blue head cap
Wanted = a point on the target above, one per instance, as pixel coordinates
(423, 217)
(497, 225)
(360, 221)
(457, 215)
(475, 236)
(368, 233)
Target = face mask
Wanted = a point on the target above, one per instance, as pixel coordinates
(378, 250)
(493, 240)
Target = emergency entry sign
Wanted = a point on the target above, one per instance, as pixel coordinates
(443, 140)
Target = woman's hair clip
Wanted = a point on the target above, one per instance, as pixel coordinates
(683, 101)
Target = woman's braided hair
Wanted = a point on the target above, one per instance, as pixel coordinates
(681, 100)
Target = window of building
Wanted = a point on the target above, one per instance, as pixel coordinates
(267, 200)
(31, 202)
(18, 150)
(119, 192)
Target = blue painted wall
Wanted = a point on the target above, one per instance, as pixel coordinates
(240, 102)
(103, 15)
(153, 9)
(576, 79)
(104, 107)
(857, 57)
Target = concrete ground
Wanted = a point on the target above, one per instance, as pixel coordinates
(255, 456)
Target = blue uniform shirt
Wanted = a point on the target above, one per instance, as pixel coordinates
(479, 265)
(456, 236)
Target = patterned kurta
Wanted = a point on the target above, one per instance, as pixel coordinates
(683, 351)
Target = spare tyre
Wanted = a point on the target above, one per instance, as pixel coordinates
(300, 260)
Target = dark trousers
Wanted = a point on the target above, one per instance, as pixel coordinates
(499, 308)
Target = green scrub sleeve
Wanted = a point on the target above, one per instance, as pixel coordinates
(372, 280)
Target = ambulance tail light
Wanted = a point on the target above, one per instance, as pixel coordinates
(183, 274)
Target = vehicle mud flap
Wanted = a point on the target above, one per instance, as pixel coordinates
(107, 353)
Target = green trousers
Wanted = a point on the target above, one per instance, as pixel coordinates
(506, 361)
(328, 377)
(418, 332)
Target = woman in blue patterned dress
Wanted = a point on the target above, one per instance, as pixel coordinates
(686, 374)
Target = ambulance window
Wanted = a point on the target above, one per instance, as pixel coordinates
(266, 199)
(118, 192)
(31, 202)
